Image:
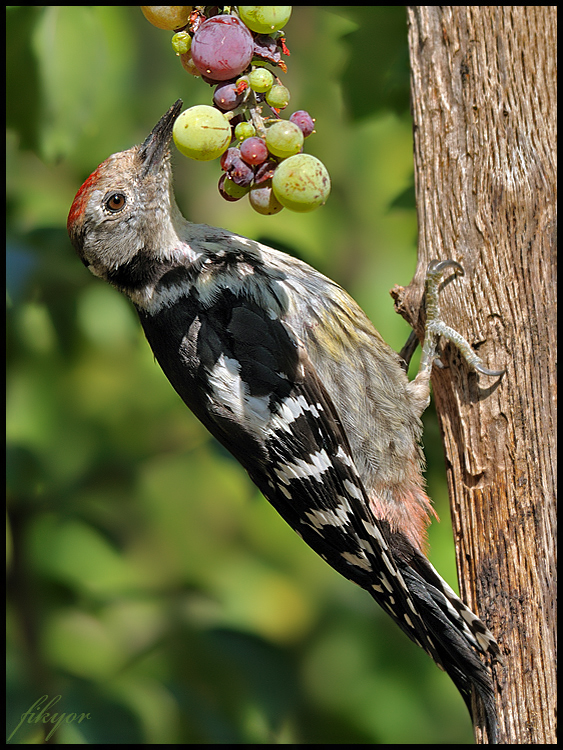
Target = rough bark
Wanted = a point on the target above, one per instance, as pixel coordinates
(484, 105)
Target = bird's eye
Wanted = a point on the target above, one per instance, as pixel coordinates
(115, 202)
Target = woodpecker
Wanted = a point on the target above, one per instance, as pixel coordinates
(288, 373)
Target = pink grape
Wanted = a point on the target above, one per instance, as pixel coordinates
(226, 97)
(229, 158)
(304, 121)
(222, 48)
(254, 150)
(237, 169)
(265, 171)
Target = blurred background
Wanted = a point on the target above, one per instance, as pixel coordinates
(149, 583)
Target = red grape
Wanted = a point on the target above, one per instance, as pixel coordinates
(237, 170)
(304, 121)
(229, 158)
(265, 171)
(222, 47)
(226, 97)
(253, 150)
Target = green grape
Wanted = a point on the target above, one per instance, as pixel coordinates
(260, 80)
(230, 190)
(202, 133)
(188, 64)
(181, 42)
(278, 97)
(301, 183)
(284, 139)
(264, 19)
(168, 17)
(244, 130)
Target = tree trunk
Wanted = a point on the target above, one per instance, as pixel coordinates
(484, 108)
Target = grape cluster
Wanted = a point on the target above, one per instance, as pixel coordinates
(261, 154)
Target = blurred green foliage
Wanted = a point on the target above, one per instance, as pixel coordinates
(150, 585)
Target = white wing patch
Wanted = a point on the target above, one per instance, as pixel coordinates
(230, 390)
(289, 410)
(314, 468)
(320, 518)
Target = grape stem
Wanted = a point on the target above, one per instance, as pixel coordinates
(250, 105)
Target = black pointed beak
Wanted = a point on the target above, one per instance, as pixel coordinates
(155, 147)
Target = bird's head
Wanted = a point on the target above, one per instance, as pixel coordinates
(126, 208)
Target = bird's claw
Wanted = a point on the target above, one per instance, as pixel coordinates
(435, 327)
